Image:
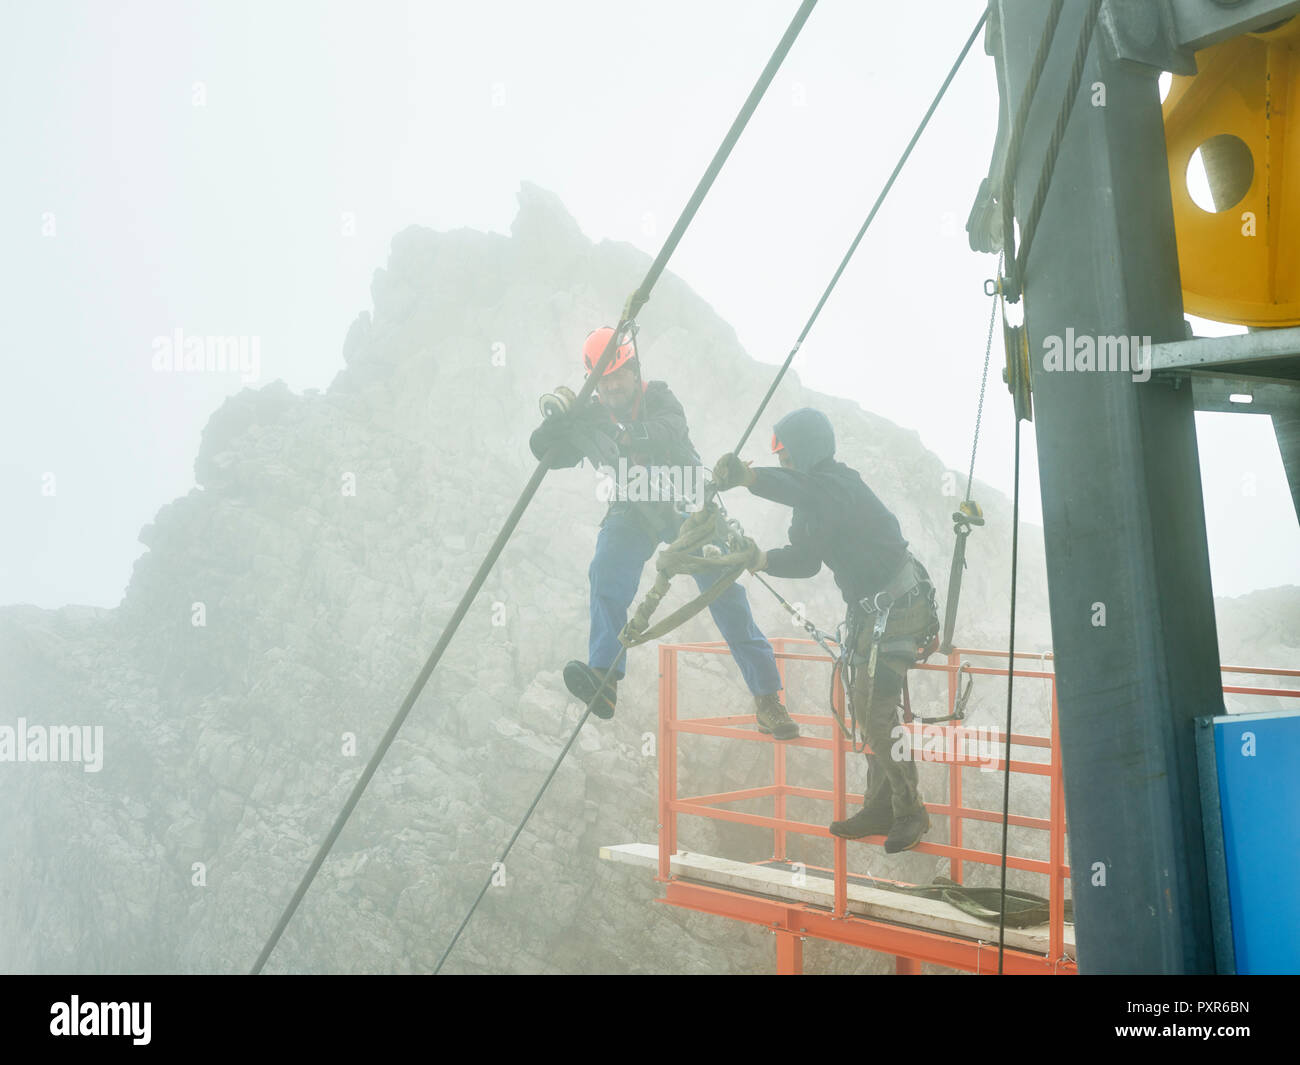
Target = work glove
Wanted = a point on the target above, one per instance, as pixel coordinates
(732, 472)
(573, 435)
(554, 438)
(552, 430)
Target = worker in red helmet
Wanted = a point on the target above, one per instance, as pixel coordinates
(841, 523)
(643, 425)
(620, 382)
(610, 420)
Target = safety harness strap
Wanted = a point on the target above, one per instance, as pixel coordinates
(1023, 909)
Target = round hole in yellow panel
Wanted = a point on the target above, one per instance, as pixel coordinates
(1220, 173)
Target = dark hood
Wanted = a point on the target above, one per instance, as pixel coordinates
(807, 436)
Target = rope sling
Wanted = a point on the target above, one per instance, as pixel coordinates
(702, 532)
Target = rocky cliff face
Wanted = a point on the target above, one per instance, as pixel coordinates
(1260, 629)
(287, 602)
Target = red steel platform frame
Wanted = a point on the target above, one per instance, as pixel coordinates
(792, 922)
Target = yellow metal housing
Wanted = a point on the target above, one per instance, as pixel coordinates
(1241, 262)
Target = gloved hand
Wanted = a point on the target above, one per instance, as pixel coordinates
(732, 472)
(552, 430)
(553, 438)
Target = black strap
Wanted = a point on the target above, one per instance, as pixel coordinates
(954, 588)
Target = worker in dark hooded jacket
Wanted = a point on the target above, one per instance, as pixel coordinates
(642, 423)
(839, 522)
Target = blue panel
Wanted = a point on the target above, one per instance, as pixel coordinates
(1258, 762)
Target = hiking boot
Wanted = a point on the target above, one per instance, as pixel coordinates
(907, 831)
(773, 719)
(875, 818)
(583, 682)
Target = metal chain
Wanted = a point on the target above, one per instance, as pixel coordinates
(984, 379)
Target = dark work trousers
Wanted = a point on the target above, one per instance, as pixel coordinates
(891, 765)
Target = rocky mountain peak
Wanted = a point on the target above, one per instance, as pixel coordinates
(285, 605)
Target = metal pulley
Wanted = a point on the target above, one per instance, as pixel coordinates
(1016, 371)
(557, 402)
(968, 513)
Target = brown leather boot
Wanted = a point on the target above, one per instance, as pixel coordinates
(773, 719)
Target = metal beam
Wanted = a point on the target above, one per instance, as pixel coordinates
(1199, 353)
(1201, 23)
(1212, 392)
(1143, 31)
(1128, 566)
(1264, 365)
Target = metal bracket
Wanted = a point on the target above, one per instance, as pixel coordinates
(1201, 23)
(1142, 31)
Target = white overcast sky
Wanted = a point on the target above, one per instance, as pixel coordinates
(226, 219)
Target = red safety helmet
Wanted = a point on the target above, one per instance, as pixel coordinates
(594, 346)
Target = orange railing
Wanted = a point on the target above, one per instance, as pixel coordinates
(798, 920)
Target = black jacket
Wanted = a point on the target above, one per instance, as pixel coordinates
(657, 436)
(838, 521)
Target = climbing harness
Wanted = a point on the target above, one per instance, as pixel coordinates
(958, 706)
(879, 608)
(841, 647)
(910, 585)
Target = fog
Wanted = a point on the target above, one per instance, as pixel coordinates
(386, 229)
(239, 169)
